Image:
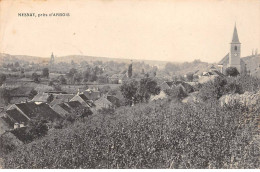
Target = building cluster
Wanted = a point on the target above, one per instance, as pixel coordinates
(54, 105)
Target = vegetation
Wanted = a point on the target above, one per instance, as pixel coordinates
(45, 72)
(139, 91)
(232, 71)
(2, 78)
(130, 70)
(165, 135)
(5, 95)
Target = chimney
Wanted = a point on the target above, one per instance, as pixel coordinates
(22, 125)
(16, 125)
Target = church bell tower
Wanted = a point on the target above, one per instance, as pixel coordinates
(235, 51)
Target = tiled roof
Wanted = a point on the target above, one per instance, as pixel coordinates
(115, 101)
(224, 60)
(65, 107)
(61, 98)
(5, 124)
(17, 116)
(83, 97)
(28, 108)
(41, 97)
(74, 104)
(47, 112)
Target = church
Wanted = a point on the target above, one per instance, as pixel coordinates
(232, 59)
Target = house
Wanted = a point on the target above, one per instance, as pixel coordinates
(167, 85)
(60, 98)
(185, 86)
(21, 113)
(210, 75)
(42, 98)
(103, 102)
(67, 108)
(83, 100)
(118, 78)
(114, 100)
(62, 109)
(160, 96)
(92, 94)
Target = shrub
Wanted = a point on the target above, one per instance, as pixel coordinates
(155, 135)
(232, 71)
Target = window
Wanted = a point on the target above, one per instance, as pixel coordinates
(235, 47)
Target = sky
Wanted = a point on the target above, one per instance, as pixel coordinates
(166, 30)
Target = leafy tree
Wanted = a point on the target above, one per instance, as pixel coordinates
(213, 90)
(141, 91)
(93, 77)
(16, 64)
(37, 128)
(129, 90)
(147, 87)
(2, 78)
(33, 92)
(130, 70)
(62, 80)
(232, 71)
(190, 77)
(50, 98)
(35, 77)
(45, 72)
(102, 79)
(51, 83)
(176, 93)
(72, 72)
(77, 77)
(5, 95)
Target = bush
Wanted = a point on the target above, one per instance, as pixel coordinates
(232, 71)
(155, 135)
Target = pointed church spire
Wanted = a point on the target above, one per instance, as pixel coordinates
(235, 36)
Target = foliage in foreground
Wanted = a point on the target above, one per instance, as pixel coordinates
(162, 135)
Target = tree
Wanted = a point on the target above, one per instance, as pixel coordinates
(147, 87)
(135, 92)
(16, 64)
(2, 78)
(45, 72)
(37, 128)
(232, 71)
(176, 93)
(130, 70)
(33, 92)
(190, 77)
(35, 77)
(102, 79)
(77, 77)
(5, 95)
(62, 80)
(129, 90)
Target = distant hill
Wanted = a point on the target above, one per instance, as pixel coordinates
(76, 58)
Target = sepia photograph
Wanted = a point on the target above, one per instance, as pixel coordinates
(130, 84)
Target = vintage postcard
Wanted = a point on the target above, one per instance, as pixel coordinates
(129, 84)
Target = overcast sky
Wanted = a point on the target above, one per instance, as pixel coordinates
(172, 30)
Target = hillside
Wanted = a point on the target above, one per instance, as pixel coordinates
(76, 58)
(252, 64)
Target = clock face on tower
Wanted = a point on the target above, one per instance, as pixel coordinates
(235, 54)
